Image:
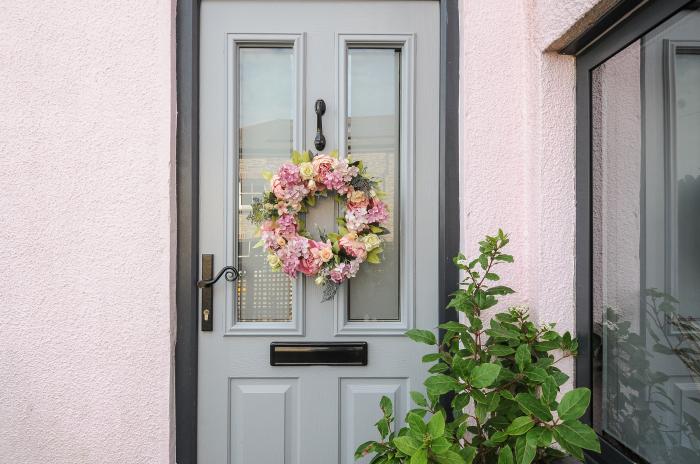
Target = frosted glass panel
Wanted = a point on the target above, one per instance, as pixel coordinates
(373, 121)
(266, 120)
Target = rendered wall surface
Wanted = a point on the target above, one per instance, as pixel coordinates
(518, 145)
(86, 231)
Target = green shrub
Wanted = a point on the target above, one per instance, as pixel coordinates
(502, 382)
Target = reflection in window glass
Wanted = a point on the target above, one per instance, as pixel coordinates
(373, 122)
(646, 245)
(266, 114)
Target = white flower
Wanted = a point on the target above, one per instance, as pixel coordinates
(274, 261)
(371, 241)
(306, 170)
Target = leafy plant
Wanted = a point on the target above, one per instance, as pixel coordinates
(501, 382)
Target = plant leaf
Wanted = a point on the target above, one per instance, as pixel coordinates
(421, 336)
(531, 405)
(574, 403)
(418, 398)
(440, 384)
(436, 425)
(523, 358)
(520, 425)
(484, 375)
(505, 456)
(407, 445)
(578, 434)
(420, 456)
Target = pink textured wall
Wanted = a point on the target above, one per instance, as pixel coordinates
(518, 145)
(86, 234)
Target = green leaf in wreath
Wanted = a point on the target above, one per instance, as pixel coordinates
(574, 403)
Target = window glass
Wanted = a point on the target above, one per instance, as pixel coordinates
(373, 123)
(266, 81)
(646, 244)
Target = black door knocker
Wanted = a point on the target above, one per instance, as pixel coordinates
(320, 140)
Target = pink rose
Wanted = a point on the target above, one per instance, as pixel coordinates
(322, 165)
(353, 247)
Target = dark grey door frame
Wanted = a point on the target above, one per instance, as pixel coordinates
(592, 48)
(187, 173)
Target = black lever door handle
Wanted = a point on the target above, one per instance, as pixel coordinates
(230, 272)
(320, 140)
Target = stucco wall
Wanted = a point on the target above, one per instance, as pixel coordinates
(518, 145)
(86, 234)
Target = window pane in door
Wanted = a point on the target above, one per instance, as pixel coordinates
(646, 245)
(266, 108)
(373, 122)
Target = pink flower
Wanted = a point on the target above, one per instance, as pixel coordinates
(356, 219)
(357, 199)
(287, 184)
(377, 211)
(353, 247)
(287, 225)
(311, 262)
(344, 271)
(322, 164)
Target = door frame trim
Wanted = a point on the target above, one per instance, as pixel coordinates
(187, 179)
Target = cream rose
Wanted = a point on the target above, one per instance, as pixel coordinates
(357, 196)
(326, 254)
(274, 261)
(306, 170)
(371, 241)
(281, 241)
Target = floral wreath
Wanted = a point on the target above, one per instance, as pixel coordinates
(294, 188)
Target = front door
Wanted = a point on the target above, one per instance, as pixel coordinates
(263, 65)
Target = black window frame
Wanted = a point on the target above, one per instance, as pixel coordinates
(623, 25)
(187, 181)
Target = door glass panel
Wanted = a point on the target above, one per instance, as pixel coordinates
(266, 96)
(646, 245)
(373, 122)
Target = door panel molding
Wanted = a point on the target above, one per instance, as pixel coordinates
(187, 187)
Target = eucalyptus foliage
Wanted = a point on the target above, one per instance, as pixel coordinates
(501, 382)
